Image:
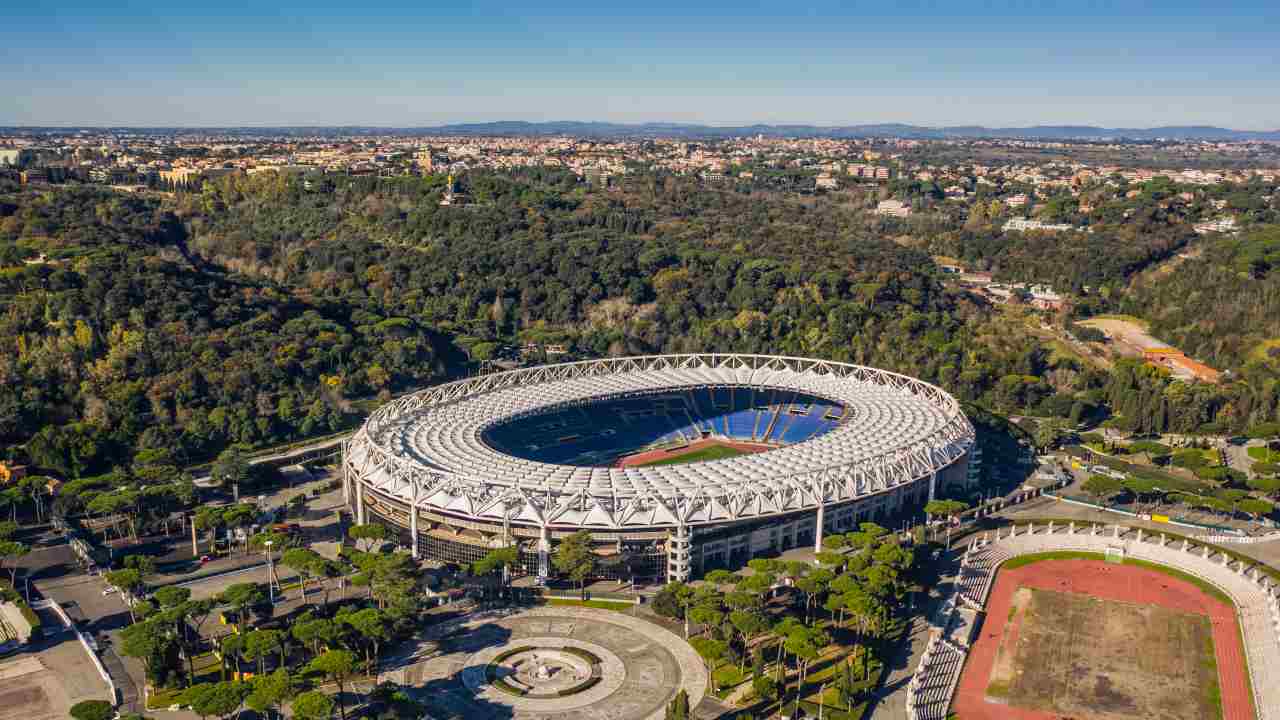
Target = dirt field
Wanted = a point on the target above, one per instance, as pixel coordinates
(1088, 640)
(28, 691)
(1077, 655)
(1128, 337)
(695, 452)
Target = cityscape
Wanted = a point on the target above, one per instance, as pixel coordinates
(691, 361)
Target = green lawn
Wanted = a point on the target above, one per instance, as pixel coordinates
(711, 452)
(1263, 454)
(726, 677)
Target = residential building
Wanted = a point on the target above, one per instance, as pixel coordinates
(1024, 224)
(893, 208)
(1220, 225)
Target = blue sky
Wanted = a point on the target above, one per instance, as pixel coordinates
(428, 62)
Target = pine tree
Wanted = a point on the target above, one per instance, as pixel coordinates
(678, 708)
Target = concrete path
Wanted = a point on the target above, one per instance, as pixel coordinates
(654, 664)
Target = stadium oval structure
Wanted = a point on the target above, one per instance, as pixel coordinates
(527, 456)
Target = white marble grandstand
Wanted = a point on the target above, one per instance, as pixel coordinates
(897, 440)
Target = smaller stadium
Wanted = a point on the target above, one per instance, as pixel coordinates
(1097, 622)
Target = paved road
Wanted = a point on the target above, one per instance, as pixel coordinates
(889, 701)
(1266, 552)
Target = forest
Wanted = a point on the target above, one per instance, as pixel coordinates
(268, 308)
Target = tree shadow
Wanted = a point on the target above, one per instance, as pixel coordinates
(447, 698)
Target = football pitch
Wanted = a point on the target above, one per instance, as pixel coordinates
(703, 454)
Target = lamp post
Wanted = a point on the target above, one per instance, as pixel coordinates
(271, 573)
(822, 699)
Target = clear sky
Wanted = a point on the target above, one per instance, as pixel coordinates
(953, 62)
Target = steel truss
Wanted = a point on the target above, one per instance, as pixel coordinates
(673, 496)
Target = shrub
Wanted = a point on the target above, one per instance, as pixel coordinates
(584, 654)
(508, 653)
(584, 686)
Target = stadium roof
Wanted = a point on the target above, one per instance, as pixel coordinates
(428, 448)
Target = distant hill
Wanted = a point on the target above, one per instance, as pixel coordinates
(694, 131)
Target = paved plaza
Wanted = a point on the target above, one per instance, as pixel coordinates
(644, 665)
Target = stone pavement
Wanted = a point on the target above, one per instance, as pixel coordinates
(654, 663)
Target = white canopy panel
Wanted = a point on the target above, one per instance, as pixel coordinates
(428, 447)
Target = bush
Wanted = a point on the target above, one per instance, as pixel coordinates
(584, 654)
(506, 654)
(92, 710)
(508, 688)
(584, 686)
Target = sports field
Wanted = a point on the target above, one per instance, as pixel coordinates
(700, 451)
(710, 452)
(1080, 638)
(1079, 656)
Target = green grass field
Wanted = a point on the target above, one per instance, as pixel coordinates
(711, 452)
(1263, 454)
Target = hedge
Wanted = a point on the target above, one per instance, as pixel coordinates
(582, 687)
(584, 654)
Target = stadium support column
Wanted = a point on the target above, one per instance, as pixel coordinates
(817, 529)
(933, 486)
(544, 555)
(359, 504)
(346, 475)
(413, 523)
(678, 554)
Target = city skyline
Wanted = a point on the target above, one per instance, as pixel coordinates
(1130, 65)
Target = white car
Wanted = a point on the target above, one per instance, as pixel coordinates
(109, 590)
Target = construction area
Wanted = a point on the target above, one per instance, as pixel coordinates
(1129, 339)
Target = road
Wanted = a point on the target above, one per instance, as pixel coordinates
(54, 573)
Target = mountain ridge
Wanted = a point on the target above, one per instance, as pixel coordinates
(587, 128)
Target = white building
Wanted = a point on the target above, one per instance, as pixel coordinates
(1221, 225)
(1021, 223)
(893, 208)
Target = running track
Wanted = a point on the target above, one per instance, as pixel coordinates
(1127, 583)
(649, 456)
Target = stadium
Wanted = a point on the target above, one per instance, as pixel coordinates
(675, 463)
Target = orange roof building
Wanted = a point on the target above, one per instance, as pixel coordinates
(1181, 365)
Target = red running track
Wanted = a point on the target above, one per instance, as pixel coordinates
(1125, 583)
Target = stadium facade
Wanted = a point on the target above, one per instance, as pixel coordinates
(528, 456)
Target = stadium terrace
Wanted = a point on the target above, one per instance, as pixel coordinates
(675, 463)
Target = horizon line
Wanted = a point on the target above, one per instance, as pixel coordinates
(721, 125)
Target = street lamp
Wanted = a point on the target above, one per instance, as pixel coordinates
(271, 573)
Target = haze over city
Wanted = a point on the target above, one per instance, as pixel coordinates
(1000, 64)
(671, 360)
